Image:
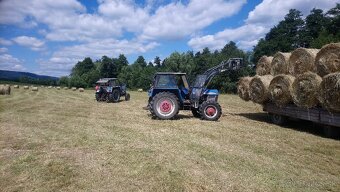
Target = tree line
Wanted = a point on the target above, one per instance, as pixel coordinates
(294, 31)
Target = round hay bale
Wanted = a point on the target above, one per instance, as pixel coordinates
(329, 96)
(16, 86)
(81, 89)
(328, 59)
(302, 60)
(65, 88)
(305, 90)
(140, 90)
(49, 87)
(74, 88)
(58, 88)
(26, 87)
(34, 88)
(263, 65)
(280, 89)
(2, 89)
(243, 88)
(280, 63)
(258, 88)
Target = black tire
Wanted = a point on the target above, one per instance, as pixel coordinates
(278, 119)
(164, 105)
(115, 95)
(210, 111)
(97, 96)
(127, 96)
(331, 132)
(195, 112)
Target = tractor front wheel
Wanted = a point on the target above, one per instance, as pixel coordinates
(210, 111)
(127, 96)
(164, 105)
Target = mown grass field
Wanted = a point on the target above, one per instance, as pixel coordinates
(65, 140)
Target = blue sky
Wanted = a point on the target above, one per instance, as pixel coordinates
(49, 36)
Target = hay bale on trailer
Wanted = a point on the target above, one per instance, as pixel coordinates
(259, 88)
(305, 90)
(280, 89)
(263, 65)
(329, 96)
(302, 60)
(26, 87)
(74, 88)
(16, 86)
(328, 59)
(280, 63)
(243, 88)
(34, 88)
(81, 89)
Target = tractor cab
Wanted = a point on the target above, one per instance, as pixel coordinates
(175, 83)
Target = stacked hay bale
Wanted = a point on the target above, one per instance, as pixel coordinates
(5, 90)
(302, 60)
(328, 59)
(280, 89)
(243, 88)
(280, 63)
(305, 77)
(258, 88)
(264, 65)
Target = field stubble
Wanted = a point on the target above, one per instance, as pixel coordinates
(65, 140)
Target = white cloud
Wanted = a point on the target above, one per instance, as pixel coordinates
(31, 42)
(8, 62)
(259, 21)
(3, 49)
(63, 60)
(177, 20)
(5, 42)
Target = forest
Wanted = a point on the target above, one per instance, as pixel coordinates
(312, 31)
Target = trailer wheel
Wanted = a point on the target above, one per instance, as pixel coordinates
(331, 132)
(278, 119)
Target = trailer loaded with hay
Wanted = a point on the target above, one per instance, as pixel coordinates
(304, 84)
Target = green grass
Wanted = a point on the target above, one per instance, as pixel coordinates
(65, 140)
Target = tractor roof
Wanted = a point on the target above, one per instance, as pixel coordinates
(105, 80)
(170, 73)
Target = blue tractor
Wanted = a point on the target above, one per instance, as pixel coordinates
(110, 90)
(170, 92)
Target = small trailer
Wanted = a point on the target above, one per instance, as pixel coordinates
(329, 121)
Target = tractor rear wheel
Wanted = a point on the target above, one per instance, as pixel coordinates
(164, 105)
(127, 96)
(210, 111)
(115, 95)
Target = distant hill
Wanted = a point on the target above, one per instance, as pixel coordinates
(16, 75)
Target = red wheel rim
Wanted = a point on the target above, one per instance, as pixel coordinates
(165, 106)
(210, 111)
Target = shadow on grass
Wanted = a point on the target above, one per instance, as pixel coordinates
(295, 124)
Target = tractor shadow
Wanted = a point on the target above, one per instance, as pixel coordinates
(294, 124)
(177, 117)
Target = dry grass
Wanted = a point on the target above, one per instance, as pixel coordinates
(64, 140)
